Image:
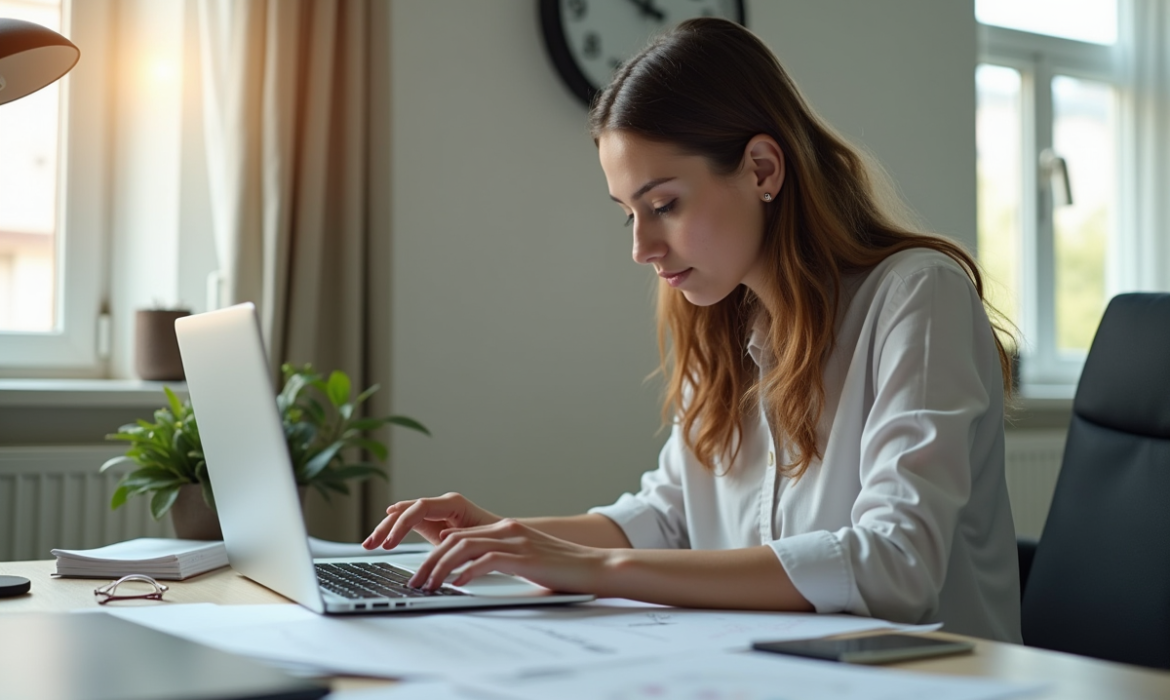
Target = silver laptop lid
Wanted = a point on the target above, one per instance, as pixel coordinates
(247, 456)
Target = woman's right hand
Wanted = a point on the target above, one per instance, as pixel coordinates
(430, 517)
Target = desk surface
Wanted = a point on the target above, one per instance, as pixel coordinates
(1069, 676)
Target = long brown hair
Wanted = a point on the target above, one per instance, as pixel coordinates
(708, 87)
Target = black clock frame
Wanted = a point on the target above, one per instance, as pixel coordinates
(557, 44)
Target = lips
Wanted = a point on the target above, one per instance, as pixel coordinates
(674, 279)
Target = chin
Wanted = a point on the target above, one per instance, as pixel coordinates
(703, 298)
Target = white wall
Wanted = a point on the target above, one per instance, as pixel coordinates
(898, 77)
(521, 331)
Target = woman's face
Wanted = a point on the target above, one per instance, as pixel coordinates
(702, 232)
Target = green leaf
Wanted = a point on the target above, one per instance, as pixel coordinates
(408, 423)
(372, 446)
(365, 394)
(162, 501)
(120, 495)
(315, 411)
(205, 486)
(182, 446)
(362, 425)
(321, 460)
(346, 411)
(338, 388)
(300, 434)
(293, 386)
(115, 461)
(353, 471)
(152, 476)
(337, 486)
(129, 437)
(176, 406)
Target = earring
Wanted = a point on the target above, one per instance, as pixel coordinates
(767, 196)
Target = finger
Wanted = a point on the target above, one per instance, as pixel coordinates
(423, 572)
(467, 550)
(455, 536)
(503, 562)
(379, 533)
(406, 521)
(496, 532)
(452, 536)
(504, 527)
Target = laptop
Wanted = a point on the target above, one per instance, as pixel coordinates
(256, 494)
(66, 656)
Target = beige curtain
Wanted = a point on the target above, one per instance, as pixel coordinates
(285, 114)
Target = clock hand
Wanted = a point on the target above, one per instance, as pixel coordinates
(648, 9)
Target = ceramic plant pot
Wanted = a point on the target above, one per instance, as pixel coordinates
(156, 349)
(191, 516)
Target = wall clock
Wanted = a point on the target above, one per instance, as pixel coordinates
(588, 40)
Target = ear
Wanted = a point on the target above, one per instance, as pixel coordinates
(764, 160)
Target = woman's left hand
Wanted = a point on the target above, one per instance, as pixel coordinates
(511, 547)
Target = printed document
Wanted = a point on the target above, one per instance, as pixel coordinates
(522, 640)
(743, 676)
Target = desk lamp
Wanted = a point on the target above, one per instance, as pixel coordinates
(31, 57)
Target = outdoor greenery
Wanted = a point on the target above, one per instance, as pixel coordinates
(321, 426)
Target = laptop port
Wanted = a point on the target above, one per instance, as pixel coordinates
(379, 606)
(359, 606)
(400, 604)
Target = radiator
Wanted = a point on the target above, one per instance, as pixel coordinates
(1033, 463)
(54, 497)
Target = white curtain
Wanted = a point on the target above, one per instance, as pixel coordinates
(1147, 182)
(285, 115)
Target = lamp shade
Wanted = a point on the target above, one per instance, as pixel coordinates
(31, 57)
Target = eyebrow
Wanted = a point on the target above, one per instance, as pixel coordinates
(644, 189)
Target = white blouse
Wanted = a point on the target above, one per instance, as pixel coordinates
(906, 516)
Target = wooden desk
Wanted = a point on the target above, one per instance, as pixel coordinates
(1070, 677)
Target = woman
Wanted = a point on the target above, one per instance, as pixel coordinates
(835, 387)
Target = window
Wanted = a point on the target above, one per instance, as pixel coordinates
(1050, 88)
(28, 192)
(51, 142)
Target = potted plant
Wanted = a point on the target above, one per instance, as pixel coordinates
(321, 428)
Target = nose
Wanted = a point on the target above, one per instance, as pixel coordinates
(648, 247)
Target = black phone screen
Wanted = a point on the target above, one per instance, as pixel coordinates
(881, 648)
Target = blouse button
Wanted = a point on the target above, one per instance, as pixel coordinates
(771, 458)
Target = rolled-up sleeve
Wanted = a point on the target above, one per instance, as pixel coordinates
(655, 517)
(915, 457)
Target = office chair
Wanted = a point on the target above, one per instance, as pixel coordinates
(1099, 583)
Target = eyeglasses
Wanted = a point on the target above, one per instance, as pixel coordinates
(133, 587)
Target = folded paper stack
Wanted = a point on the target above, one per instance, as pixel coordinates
(156, 557)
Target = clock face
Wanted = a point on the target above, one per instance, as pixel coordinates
(589, 39)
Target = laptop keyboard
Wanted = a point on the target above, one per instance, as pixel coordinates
(373, 580)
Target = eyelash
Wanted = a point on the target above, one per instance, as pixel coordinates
(660, 211)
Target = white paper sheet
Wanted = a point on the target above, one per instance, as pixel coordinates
(743, 676)
(417, 690)
(497, 641)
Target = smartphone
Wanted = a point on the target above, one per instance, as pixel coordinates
(876, 649)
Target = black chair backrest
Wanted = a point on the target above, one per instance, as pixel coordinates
(1100, 581)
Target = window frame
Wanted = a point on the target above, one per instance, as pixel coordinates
(1039, 58)
(75, 347)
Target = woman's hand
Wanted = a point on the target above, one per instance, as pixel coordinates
(430, 517)
(512, 547)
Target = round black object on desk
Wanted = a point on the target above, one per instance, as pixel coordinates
(13, 586)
